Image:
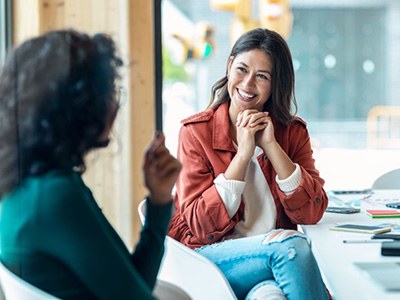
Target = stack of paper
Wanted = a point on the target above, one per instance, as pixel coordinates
(383, 213)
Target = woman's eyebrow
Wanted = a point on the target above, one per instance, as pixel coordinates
(262, 71)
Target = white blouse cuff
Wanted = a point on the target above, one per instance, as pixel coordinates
(230, 192)
(290, 184)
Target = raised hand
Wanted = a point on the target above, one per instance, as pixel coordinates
(160, 170)
(248, 123)
(265, 136)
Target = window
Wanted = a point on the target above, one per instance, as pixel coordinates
(345, 54)
(5, 28)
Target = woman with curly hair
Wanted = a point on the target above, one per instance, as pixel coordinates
(58, 101)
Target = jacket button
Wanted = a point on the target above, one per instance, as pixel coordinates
(210, 237)
(318, 200)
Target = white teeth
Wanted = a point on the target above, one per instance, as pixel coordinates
(244, 94)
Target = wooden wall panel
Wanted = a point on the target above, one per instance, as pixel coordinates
(25, 20)
(141, 57)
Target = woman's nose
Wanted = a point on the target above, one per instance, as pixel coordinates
(249, 80)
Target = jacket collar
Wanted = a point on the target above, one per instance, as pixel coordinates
(221, 138)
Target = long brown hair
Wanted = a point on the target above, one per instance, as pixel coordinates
(279, 105)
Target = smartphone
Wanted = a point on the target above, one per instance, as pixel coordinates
(342, 210)
(393, 205)
(361, 228)
(388, 235)
(351, 192)
(390, 248)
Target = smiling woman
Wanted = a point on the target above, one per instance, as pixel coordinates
(249, 177)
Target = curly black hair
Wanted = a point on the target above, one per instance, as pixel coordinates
(57, 98)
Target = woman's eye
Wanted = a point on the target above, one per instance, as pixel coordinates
(241, 69)
(263, 77)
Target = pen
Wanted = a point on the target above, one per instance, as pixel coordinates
(366, 241)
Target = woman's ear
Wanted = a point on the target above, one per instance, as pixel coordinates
(228, 70)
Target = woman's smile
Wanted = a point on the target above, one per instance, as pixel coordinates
(245, 95)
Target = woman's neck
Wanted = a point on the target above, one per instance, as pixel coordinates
(232, 131)
(232, 124)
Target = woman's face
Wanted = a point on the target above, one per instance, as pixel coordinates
(249, 80)
(113, 111)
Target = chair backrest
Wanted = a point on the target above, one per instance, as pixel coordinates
(168, 291)
(192, 272)
(2, 297)
(15, 288)
(388, 181)
(384, 127)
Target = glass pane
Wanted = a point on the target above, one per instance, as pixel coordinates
(5, 28)
(2, 31)
(345, 55)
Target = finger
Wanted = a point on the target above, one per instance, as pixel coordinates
(156, 142)
(160, 153)
(239, 118)
(161, 161)
(256, 119)
(250, 111)
(171, 168)
(163, 167)
(247, 115)
(157, 147)
(147, 158)
(245, 120)
(261, 118)
(170, 165)
(260, 127)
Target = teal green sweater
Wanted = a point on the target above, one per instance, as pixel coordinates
(54, 235)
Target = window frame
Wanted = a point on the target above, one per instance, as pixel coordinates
(5, 28)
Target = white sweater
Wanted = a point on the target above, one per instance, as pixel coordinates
(260, 210)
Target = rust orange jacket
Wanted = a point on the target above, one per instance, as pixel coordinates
(206, 150)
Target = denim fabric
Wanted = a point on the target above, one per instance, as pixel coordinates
(267, 289)
(289, 261)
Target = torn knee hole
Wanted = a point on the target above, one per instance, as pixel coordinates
(280, 235)
(291, 253)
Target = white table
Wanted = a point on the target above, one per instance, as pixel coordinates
(344, 280)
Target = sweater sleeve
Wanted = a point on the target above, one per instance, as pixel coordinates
(149, 251)
(230, 192)
(73, 229)
(290, 184)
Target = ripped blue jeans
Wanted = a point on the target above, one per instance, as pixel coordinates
(249, 261)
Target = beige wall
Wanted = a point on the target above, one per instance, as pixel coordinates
(114, 174)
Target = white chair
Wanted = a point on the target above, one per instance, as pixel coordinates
(388, 181)
(1, 292)
(15, 288)
(192, 272)
(168, 291)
